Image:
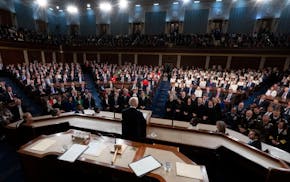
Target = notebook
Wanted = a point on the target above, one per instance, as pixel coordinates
(73, 153)
(188, 170)
(144, 165)
(43, 144)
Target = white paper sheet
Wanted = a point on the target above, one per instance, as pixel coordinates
(73, 153)
(95, 148)
(144, 165)
(188, 170)
(43, 144)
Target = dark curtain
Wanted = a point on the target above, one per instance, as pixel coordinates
(195, 21)
(242, 20)
(155, 22)
(120, 24)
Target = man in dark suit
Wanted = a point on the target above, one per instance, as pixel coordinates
(254, 136)
(133, 122)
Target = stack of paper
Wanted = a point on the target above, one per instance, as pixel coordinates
(95, 148)
(73, 153)
(144, 165)
(43, 144)
(188, 170)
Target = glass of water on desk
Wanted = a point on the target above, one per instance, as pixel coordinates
(167, 166)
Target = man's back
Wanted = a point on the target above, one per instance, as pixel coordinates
(133, 124)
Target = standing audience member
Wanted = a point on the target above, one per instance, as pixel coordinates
(133, 122)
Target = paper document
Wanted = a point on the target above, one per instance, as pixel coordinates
(144, 165)
(188, 170)
(89, 111)
(95, 148)
(43, 144)
(73, 153)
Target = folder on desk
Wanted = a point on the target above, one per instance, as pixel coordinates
(73, 153)
(144, 165)
(188, 170)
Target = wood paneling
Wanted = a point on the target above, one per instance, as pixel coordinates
(275, 62)
(109, 58)
(34, 56)
(169, 59)
(68, 57)
(48, 56)
(129, 58)
(144, 59)
(245, 62)
(195, 61)
(80, 58)
(12, 56)
(92, 56)
(218, 60)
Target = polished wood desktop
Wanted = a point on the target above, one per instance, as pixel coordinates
(176, 133)
(133, 152)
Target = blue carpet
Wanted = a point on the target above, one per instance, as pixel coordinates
(159, 99)
(91, 86)
(28, 104)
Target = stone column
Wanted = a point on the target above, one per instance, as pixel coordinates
(287, 63)
(75, 57)
(262, 63)
(42, 57)
(229, 61)
(159, 59)
(119, 58)
(136, 59)
(178, 60)
(53, 57)
(207, 62)
(25, 55)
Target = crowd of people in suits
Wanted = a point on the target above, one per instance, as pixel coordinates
(58, 86)
(117, 84)
(205, 40)
(193, 101)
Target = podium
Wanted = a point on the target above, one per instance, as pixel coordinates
(40, 160)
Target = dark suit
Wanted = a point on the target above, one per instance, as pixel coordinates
(133, 124)
(256, 144)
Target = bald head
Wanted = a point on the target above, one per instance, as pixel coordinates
(133, 101)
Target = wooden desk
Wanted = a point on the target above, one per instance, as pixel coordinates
(133, 152)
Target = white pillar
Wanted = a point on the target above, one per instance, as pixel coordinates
(207, 62)
(120, 59)
(53, 57)
(136, 59)
(84, 57)
(98, 57)
(287, 63)
(229, 61)
(25, 55)
(75, 57)
(262, 63)
(159, 59)
(178, 61)
(42, 57)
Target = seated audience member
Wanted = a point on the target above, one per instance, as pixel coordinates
(254, 136)
(79, 109)
(280, 135)
(170, 107)
(271, 92)
(221, 127)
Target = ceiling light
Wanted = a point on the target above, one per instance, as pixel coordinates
(72, 9)
(123, 4)
(41, 3)
(105, 6)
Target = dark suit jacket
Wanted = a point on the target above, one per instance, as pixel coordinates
(133, 124)
(256, 144)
